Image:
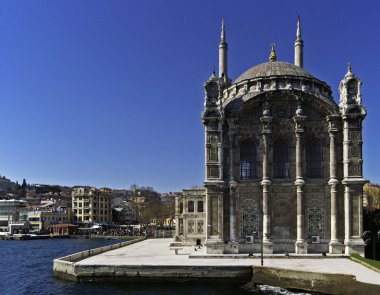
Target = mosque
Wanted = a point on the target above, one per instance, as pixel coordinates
(283, 161)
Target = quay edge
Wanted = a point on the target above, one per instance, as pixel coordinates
(285, 278)
(312, 281)
(152, 260)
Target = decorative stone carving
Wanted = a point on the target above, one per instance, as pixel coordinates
(213, 172)
(354, 135)
(212, 89)
(213, 126)
(200, 227)
(354, 151)
(190, 227)
(354, 169)
(213, 153)
(299, 111)
(248, 217)
(213, 138)
(266, 109)
(316, 219)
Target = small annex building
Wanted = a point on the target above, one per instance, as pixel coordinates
(190, 216)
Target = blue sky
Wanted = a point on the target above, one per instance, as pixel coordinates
(109, 93)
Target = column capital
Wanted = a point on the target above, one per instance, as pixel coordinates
(333, 181)
(299, 120)
(333, 123)
(299, 182)
(266, 120)
(266, 182)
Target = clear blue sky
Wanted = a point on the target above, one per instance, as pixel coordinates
(109, 93)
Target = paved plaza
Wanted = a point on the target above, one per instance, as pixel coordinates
(157, 252)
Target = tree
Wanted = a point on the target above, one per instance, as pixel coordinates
(145, 202)
(23, 188)
(372, 191)
(371, 217)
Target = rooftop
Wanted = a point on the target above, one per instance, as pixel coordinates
(269, 69)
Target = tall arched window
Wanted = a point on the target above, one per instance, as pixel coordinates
(314, 158)
(248, 160)
(281, 163)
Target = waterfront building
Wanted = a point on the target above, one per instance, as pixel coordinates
(283, 159)
(10, 211)
(91, 205)
(40, 219)
(190, 216)
(63, 229)
(18, 227)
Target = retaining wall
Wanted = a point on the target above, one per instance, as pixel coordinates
(312, 281)
(64, 267)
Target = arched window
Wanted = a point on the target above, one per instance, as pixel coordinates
(247, 160)
(314, 158)
(281, 163)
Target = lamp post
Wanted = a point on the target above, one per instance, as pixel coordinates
(262, 248)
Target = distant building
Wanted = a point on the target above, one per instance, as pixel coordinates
(6, 186)
(91, 205)
(190, 216)
(63, 229)
(41, 219)
(10, 211)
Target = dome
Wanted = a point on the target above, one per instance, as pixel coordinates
(269, 69)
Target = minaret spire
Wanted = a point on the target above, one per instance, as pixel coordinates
(299, 28)
(298, 46)
(223, 49)
(223, 34)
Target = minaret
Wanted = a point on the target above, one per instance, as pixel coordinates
(298, 46)
(223, 48)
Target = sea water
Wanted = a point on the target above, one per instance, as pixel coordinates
(26, 267)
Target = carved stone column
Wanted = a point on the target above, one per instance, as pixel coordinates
(335, 246)
(301, 243)
(266, 183)
(176, 210)
(232, 182)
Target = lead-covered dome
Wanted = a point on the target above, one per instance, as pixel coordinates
(269, 69)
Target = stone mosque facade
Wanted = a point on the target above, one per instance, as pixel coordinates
(283, 160)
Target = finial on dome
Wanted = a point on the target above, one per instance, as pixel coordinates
(349, 71)
(272, 56)
(213, 70)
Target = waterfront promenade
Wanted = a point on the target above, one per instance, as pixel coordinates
(152, 258)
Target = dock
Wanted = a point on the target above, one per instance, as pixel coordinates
(152, 259)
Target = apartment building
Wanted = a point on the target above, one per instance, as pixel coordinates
(91, 205)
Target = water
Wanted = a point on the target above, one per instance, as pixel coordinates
(26, 268)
